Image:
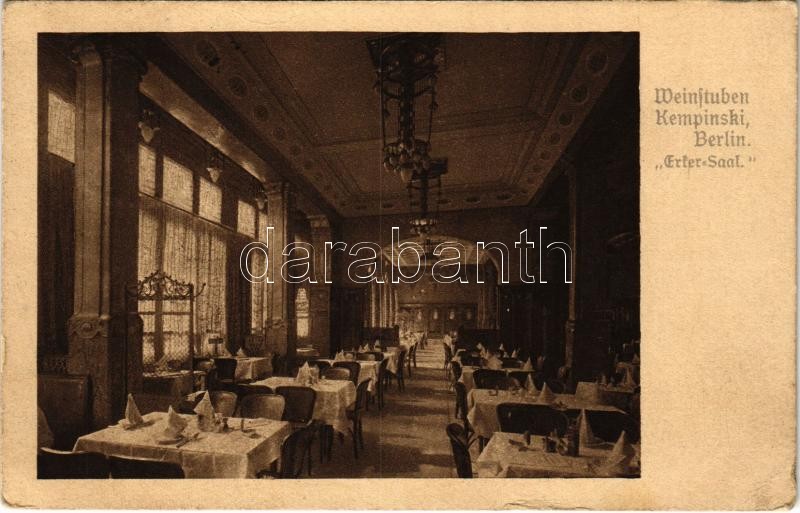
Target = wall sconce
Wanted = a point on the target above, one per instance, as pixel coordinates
(215, 168)
(261, 202)
(148, 126)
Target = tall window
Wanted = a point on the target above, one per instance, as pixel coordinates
(302, 309)
(184, 241)
(60, 127)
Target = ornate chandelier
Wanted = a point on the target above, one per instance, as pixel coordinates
(406, 66)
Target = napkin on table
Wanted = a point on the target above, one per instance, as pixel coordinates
(585, 435)
(621, 457)
(502, 348)
(636, 359)
(530, 386)
(546, 396)
(480, 346)
(494, 363)
(205, 412)
(175, 424)
(132, 415)
(514, 353)
(241, 353)
(528, 366)
(628, 381)
(339, 357)
(303, 373)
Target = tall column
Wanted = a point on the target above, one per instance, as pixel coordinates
(320, 294)
(281, 331)
(105, 330)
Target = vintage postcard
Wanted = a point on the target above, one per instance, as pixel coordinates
(399, 255)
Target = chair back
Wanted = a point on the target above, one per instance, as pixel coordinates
(224, 402)
(137, 468)
(511, 363)
(608, 425)
(557, 386)
(65, 401)
(538, 419)
(472, 360)
(299, 403)
(244, 389)
(521, 376)
(355, 369)
(366, 357)
(262, 406)
(361, 396)
(55, 464)
(320, 364)
(378, 355)
(337, 373)
(456, 370)
(401, 362)
(448, 352)
(294, 450)
(226, 368)
(203, 364)
(461, 400)
(460, 447)
(488, 378)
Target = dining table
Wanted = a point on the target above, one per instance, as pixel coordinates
(369, 371)
(230, 454)
(249, 368)
(482, 406)
(333, 398)
(508, 455)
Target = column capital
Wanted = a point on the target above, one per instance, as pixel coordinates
(90, 51)
(318, 221)
(273, 188)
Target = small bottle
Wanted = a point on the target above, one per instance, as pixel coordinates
(527, 437)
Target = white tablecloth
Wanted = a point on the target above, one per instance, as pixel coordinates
(482, 407)
(507, 455)
(252, 367)
(333, 399)
(369, 371)
(392, 353)
(211, 455)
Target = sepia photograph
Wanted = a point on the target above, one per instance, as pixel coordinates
(338, 255)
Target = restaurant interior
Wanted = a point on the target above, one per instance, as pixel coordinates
(463, 209)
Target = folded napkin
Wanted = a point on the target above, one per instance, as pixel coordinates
(303, 374)
(205, 413)
(132, 415)
(494, 363)
(502, 348)
(175, 424)
(530, 386)
(514, 353)
(636, 359)
(505, 355)
(377, 343)
(592, 393)
(585, 435)
(546, 396)
(621, 457)
(480, 346)
(603, 379)
(364, 348)
(628, 381)
(339, 357)
(528, 366)
(241, 352)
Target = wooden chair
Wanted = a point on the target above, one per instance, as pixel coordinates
(293, 453)
(226, 371)
(511, 363)
(412, 358)
(608, 425)
(321, 365)
(300, 403)
(535, 418)
(55, 464)
(137, 468)
(354, 367)
(262, 406)
(337, 373)
(522, 376)
(355, 414)
(488, 378)
(399, 375)
(299, 411)
(224, 402)
(379, 383)
(245, 389)
(459, 442)
(448, 356)
(65, 401)
(461, 404)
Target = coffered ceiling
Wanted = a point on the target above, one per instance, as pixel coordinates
(508, 106)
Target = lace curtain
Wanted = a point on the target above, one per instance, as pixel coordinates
(188, 249)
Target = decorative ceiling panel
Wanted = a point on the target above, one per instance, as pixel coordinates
(508, 106)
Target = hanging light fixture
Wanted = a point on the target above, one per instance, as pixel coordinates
(406, 66)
